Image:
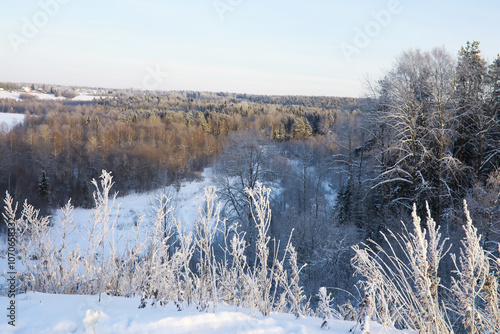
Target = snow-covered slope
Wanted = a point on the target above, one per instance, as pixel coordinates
(184, 201)
(47, 313)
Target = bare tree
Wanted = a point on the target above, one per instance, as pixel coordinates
(243, 163)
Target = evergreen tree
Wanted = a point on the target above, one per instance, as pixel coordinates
(301, 129)
(475, 126)
(43, 187)
(494, 77)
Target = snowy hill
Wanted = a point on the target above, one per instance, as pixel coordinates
(184, 201)
(47, 313)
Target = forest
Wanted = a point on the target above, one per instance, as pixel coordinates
(425, 138)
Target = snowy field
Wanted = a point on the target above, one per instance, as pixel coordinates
(8, 121)
(9, 95)
(40, 96)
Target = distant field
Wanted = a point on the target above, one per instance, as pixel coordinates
(40, 96)
(10, 120)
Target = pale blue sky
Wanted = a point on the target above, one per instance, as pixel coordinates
(253, 46)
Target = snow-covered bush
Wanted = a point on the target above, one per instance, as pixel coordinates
(324, 307)
(476, 285)
(205, 228)
(41, 258)
(401, 283)
(402, 286)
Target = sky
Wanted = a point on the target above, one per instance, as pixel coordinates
(274, 47)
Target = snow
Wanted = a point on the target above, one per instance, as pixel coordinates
(9, 95)
(10, 120)
(127, 210)
(86, 97)
(50, 313)
(184, 202)
(41, 96)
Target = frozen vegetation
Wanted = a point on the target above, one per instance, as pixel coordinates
(152, 273)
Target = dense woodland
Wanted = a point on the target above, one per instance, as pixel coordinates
(342, 169)
(147, 140)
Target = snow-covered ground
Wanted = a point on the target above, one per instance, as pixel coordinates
(40, 96)
(48, 313)
(9, 95)
(8, 121)
(86, 97)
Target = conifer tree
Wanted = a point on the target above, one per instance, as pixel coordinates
(43, 187)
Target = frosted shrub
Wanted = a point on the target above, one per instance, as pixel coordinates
(205, 228)
(324, 307)
(131, 265)
(402, 290)
(293, 294)
(233, 277)
(475, 286)
(67, 260)
(265, 281)
(153, 267)
(101, 256)
(262, 275)
(35, 246)
(161, 262)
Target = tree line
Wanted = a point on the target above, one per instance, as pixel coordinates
(148, 140)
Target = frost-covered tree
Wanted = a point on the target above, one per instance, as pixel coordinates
(416, 127)
(484, 203)
(244, 163)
